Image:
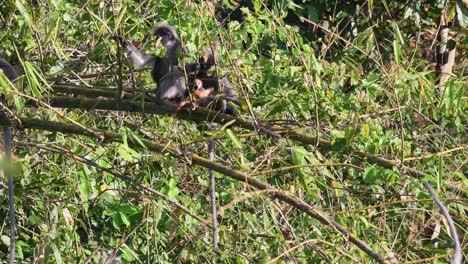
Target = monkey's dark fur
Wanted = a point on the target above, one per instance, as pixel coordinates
(170, 77)
(11, 74)
(166, 72)
(223, 93)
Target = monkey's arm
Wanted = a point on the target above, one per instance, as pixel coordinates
(139, 58)
(202, 92)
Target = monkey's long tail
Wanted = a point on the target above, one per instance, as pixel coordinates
(11, 191)
(214, 221)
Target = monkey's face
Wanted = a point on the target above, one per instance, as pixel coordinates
(165, 37)
(198, 84)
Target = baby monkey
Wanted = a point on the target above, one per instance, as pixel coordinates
(203, 96)
(211, 91)
(201, 92)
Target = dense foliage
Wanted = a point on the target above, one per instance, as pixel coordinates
(368, 77)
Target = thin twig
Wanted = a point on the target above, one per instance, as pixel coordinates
(307, 166)
(314, 247)
(436, 154)
(123, 177)
(111, 257)
(214, 221)
(457, 256)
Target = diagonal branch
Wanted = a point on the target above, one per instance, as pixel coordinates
(238, 175)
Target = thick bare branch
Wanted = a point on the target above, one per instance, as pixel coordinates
(203, 114)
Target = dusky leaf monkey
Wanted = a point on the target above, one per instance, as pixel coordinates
(5, 112)
(166, 72)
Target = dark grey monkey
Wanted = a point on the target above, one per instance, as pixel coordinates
(166, 72)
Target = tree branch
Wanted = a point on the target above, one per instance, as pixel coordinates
(238, 175)
(138, 185)
(203, 114)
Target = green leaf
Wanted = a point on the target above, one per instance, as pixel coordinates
(230, 134)
(117, 220)
(298, 158)
(227, 124)
(128, 153)
(5, 240)
(371, 175)
(128, 254)
(338, 133)
(24, 12)
(462, 14)
(350, 132)
(124, 219)
(85, 190)
(57, 253)
(173, 190)
(312, 13)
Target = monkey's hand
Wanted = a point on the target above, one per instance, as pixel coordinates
(121, 41)
(140, 59)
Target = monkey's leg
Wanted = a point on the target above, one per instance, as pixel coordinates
(11, 191)
(171, 87)
(183, 104)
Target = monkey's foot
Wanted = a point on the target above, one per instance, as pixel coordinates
(185, 103)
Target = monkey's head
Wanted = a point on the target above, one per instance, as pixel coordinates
(167, 34)
(206, 60)
(198, 84)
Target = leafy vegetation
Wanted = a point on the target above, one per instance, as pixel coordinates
(365, 95)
